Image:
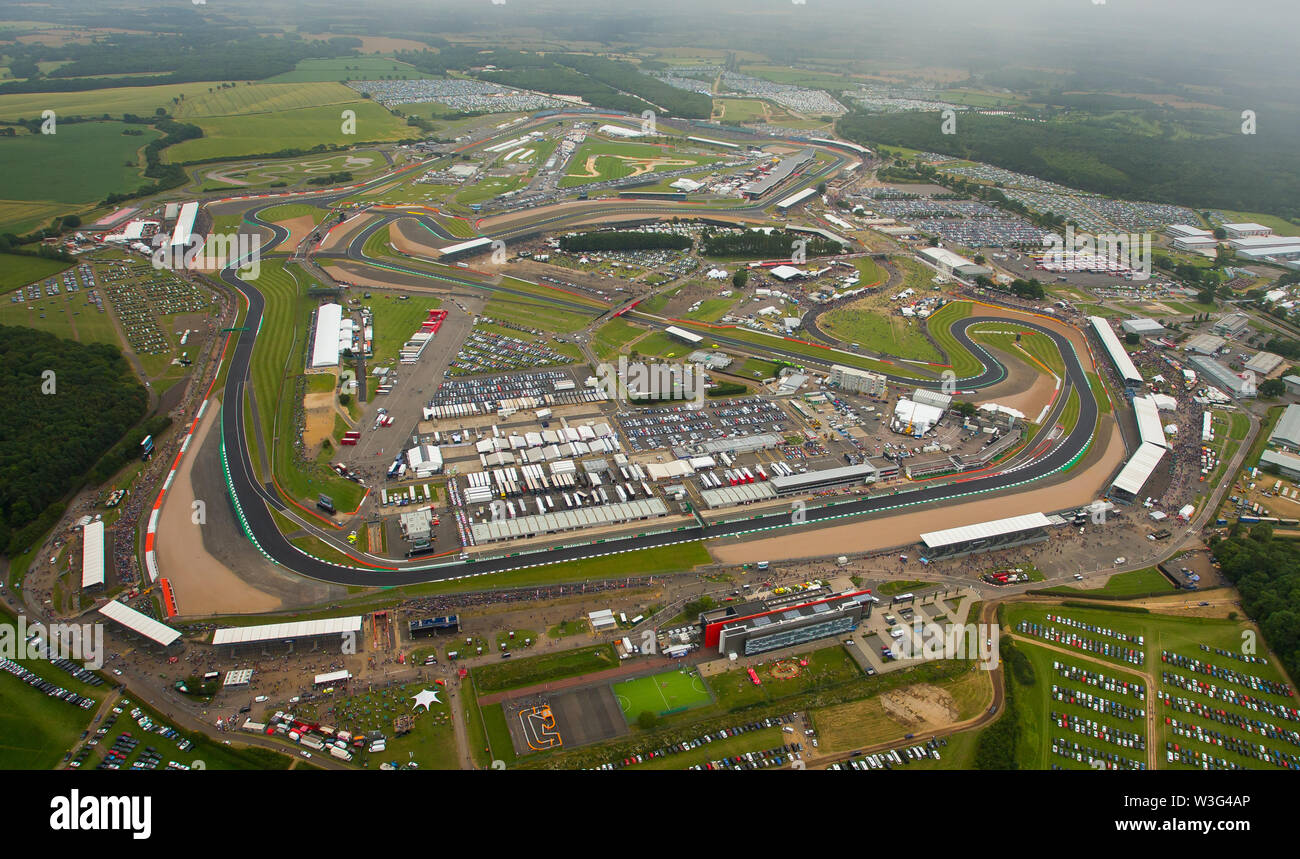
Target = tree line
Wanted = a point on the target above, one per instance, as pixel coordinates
(1266, 572)
(624, 240)
(754, 244)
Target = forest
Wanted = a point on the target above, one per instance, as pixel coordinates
(66, 404)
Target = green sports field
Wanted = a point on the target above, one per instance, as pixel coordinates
(669, 692)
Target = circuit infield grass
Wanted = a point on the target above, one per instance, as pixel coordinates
(668, 692)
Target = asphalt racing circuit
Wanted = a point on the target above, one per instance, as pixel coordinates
(252, 498)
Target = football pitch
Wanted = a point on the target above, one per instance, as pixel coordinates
(669, 692)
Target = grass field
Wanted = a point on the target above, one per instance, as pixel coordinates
(67, 315)
(77, 166)
(35, 729)
(871, 324)
(431, 743)
(347, 69)
(609, 339)
(264, 98)
(277, 358)
(1142, 581)
(17, 270)
(238, 136)
(395, 321)
(527, 671)
(1035, 349)
(289, 211)
(534, 314)
(939, 323)
(141, 101)
(659, 694)
(826, 667)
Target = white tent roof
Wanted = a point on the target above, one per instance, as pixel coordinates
(985, 530)
(1135, 473)
(92, 554)
(280, 631)
(139, 622)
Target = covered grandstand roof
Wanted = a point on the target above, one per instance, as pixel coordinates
(1123, 363)
(842, 475)
(466, 247)
(284, 631)
(139, 622)
(1148, 421)
(1138, 470)
(92, 554)
(985, 530)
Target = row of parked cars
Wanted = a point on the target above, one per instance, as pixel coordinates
(786, 753)
(35, 680)
(893, 758)
(687, 745)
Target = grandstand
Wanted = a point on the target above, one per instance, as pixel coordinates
(1124, 366)
(986, 536)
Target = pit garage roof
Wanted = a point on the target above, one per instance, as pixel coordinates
(1123, 363)
(138, 622)
(1148, 421)
(567, 520)
(92, 554)
(1138, 470)
(984, 530)
(745, 493)
(283, 631)
(843, 474)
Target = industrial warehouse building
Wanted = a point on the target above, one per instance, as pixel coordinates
(1247, 230)
(856, 381)
(1204, 344)
(1287, 432)
(1231, 325)
(1264, 363)
(1287, 464)
(986, 536)
(1142, 327)
(1221, 376)
(760, 626)
(950, 263)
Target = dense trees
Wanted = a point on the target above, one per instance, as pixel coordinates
(65, 404)
(1266, 572)
(1191, 159)
(777, 244)
(623, 240)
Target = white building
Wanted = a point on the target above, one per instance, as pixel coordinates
(950, 263)
(325, 343)
(1241, 231)
(857, 381)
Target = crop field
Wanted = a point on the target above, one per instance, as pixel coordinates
(237, 136)
(600, 162)
(264, 98)
(78, 165)
(336, 69)
(141, 101)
